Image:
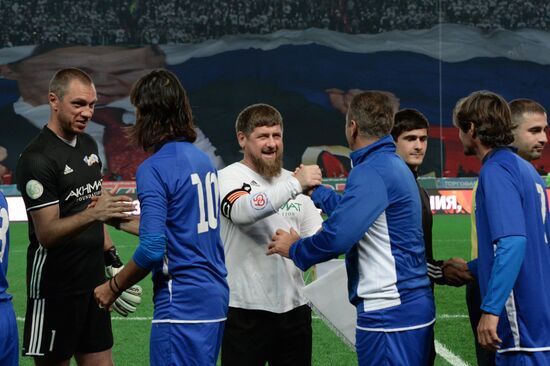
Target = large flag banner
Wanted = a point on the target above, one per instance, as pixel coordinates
(309, 75)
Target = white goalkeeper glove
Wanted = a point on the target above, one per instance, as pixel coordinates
(130, 298)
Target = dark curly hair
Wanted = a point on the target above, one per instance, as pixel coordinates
(490, 115)
(163, 112)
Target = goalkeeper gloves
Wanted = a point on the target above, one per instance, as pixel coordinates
(130, 298)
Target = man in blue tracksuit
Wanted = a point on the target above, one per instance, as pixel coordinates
(377, 223)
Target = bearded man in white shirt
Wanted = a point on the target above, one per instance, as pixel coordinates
(259, 196)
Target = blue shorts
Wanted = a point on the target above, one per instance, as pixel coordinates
(409, 347)
(9, 341)
(522, 358)
(185, 344)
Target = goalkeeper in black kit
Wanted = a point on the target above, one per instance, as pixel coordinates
(59, 177)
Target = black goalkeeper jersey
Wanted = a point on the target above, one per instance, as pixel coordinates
(51, 172)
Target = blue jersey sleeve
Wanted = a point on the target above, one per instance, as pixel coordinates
(508, 259)
(325, 199)
(152, 226)
(359, 207)
(150, 251)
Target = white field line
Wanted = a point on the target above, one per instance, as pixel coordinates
(130, 318)
(441, 350)
(148, 318)
(452, 316)
(448, 355)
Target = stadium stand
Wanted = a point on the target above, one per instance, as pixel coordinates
(138, 22)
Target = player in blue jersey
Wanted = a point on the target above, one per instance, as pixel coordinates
(513, 265)
(9, 346)
(530, 124)
(378, 224)
(179, 236)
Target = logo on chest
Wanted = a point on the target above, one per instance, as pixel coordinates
(67, 170)
(86, 191)
(291, 208)
(91, 160)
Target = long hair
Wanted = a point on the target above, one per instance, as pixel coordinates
(163, 112)
(490, 115)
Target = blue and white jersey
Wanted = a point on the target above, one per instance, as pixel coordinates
(179, 197)
(4, 247)
(378, 224)
(511, 200)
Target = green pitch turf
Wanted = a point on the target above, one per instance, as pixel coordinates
(451, 238)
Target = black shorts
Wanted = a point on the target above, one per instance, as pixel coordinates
(56, 328)
(254, 337)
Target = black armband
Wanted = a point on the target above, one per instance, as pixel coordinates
(231, 197)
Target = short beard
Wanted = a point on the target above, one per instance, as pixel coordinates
(269, 168)
(534, 155)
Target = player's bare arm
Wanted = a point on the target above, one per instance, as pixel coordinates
(107, 242)
(51, 230)
(108, 292)
(130, 225)
(129, 300)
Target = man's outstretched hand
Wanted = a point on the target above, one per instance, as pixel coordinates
(281, 242)
(108, 206)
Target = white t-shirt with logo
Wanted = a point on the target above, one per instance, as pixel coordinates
(257, 281)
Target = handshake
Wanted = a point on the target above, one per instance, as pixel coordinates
(309, 176)
(456, 272)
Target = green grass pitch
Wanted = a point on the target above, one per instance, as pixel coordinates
(451, 238)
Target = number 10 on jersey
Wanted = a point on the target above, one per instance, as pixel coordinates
(209, 208)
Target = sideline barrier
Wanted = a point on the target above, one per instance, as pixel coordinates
(16, 205)
(448, 196)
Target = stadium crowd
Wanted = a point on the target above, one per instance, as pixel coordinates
(156, 21)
